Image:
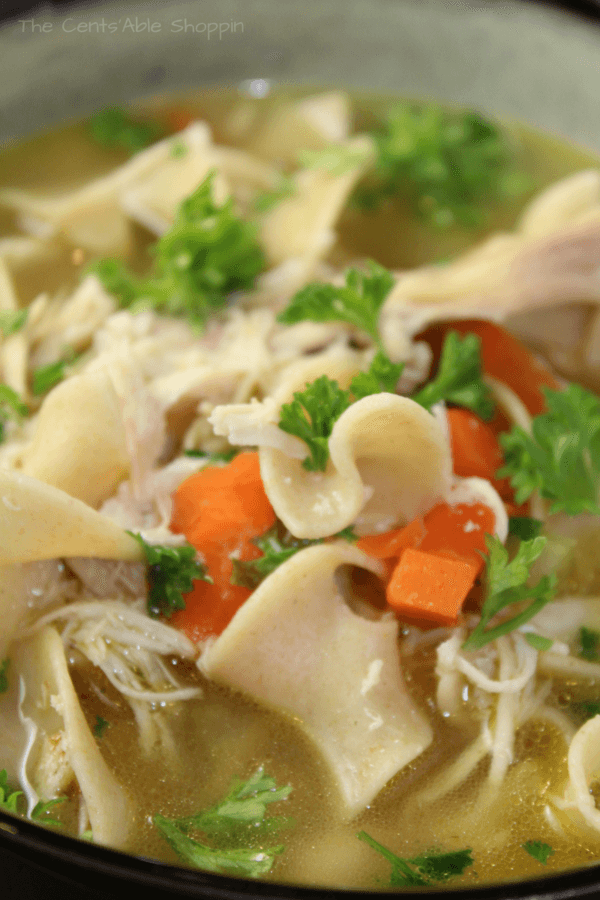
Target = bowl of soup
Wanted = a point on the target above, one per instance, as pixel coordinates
(300, 462)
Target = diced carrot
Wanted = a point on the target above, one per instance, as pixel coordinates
(222, 503)
(504, 357)
(392, 543)
(458, 532)
(427, 586)
(220, 510)
(476, 450)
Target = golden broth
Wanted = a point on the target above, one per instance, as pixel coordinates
(224, 735)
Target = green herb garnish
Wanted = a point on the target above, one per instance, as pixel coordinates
(538, 850)
(12, 321)
(524, 527)
(358, 303)
(225, 456)
(47, 377)
(336, 159)
(538, 642)
(207, 254)
(114, 128)
(506, 583)
(561, 457)
(4, 666)
(589, 644)
(586, 709)
(449, 165)
(171, 573)
(8, 799)
(100, 727)
(421, 871)
(41, 809)
(459, 378)
(311, 416)
(11, 407)
(283, 190)
(237, 825)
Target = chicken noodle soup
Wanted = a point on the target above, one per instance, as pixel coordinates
(300, 477)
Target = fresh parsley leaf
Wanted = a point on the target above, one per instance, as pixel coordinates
(47, 377)
(381, 376)
(561, 457)
(41, 809)
(589, 644)
(357, 303)
(240, 818)
(538, 850)
(347, 534)
(450, 165)
(113, 127)
(226, 456)
(207, 254)
(8, 799)
(336, 159)
(459, 377)
(100, 727)
(507, 584)
(524, 527)
(586, 709)
(311, 416)
(538, 642)
(171, 573)
(285, 189)
(178, 150)
(12, 321)
(421, 871)
(277, 545)
(4, 666)
(11, 407)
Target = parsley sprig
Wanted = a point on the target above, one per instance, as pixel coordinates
(11, 800)
(208, 253)
(12, 321)
(171, 573)
(506, 583)
(538, 850)
(421, 871)
(561, 457)
(357, 303)
(283, 190)
(114, 128)
(11, 407)
(450, 165)
(459, 377)
(48, 376)
(241, 820)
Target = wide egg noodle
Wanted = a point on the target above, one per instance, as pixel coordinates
(40, 521)
(298, 647)
(79, 443)
(64, 743)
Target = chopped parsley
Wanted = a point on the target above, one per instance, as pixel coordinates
(589, 644)
(506, 583)
(421, 871)
(12, 321)
(171, 574)
(538, 641)
(40, 811)
(100, 727)
(283, 190)
(524, 527)
(225, 456)
(538, 850)
(311, 416)
(336, 159)
(178, 150)
(8, 799)
(459, 378)
(561, 457)
(237, 825)
(208, 253)
(11, 407)
(450, 165)
(114, 128)
(4, 666)
(11, 800)
(47, 377)
(358, 303)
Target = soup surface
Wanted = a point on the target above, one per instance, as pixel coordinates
(417, 725)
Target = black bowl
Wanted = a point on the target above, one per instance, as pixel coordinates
(58, 62)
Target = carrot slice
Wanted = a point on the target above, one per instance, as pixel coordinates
(426, 586)
(503, 356)
(476, 450)
(220, 510)
(221, 503)
(392, 543)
